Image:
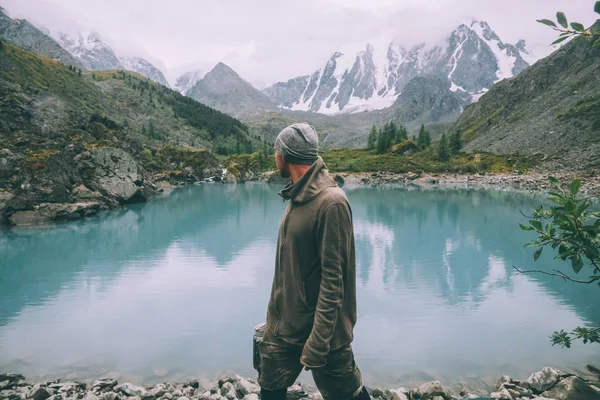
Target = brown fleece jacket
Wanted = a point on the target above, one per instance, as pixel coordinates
(313, 298)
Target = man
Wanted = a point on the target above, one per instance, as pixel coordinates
(312, 309)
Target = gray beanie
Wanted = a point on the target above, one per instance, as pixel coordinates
(298, 144)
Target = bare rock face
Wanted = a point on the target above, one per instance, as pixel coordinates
(117, 174)
(544, 379)
(572, 388)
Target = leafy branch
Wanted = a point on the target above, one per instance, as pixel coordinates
(556, 273)
(574, 29)
(573, 231)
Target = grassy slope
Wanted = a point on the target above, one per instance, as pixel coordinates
(129, 100)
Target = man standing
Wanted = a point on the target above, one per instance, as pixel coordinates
(312, 309)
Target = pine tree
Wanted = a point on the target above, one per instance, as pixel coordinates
(427, 139)
(422, 140)
(151, 130)
(456, 143)
(393, 133)
(372, 140)
(144, 130)
(381, 142)
(79, 72)
(1, 44)
(443, 153)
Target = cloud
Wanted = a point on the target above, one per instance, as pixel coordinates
(271, 40)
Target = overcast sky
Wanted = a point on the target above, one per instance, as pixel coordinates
(271, 40)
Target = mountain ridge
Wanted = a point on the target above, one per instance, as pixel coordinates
(22, 33)
(474, 58)
(223, 89)
(552, 108)
(96, 55)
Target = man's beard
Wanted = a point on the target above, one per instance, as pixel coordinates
(284, 171)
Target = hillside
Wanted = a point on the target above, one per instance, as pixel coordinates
(552, 108)
(75, 144)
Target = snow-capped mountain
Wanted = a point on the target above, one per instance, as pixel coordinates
(95, 55)
(473, 58)
(187, 81)
(145, 68)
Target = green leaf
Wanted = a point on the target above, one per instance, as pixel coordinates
(577, 26)
(562, 19)
(597, 7)
(553, 180)
(577, 264)
(557, 199)
(560, 40)
(536, 224)
(525, 227)
(575, 186)
(537, 254)
(596, 43)
(547, 22)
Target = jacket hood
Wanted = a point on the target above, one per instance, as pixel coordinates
(313, 182)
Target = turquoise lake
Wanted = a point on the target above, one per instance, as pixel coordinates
(172, 289)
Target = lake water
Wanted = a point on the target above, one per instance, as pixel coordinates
(172, 289)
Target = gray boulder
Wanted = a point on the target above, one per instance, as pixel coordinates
(117, 174)
(130, 389)
(572, 388)
(543, 380)
(428, 391)
(244, 387)
(39, 392)
(55, 212)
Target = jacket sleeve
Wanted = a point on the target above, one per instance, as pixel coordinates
(334, 238)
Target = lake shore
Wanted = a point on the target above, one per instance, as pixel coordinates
(531, 183)
(535, 182)
(549, 383)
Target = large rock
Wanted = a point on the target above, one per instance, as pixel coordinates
(244, 387)
(502, 394)
(572, 388)
(55, 212)
(117, 174)
(39, 392)
(130, 389)
(428, 391)
(104, 383)
(543, 380)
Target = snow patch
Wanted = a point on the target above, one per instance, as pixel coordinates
(506, 62)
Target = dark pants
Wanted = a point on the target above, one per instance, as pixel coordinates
(339, 379)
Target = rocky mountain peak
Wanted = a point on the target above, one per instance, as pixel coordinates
(187, 81)
(223, 89)
(473, 59)
(25, 35)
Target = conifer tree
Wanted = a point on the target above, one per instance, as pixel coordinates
(443, 153)
(456, 143)
(372, 140)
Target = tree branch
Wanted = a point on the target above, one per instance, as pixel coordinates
(555, 273)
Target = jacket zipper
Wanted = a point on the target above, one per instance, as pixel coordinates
(279, 283)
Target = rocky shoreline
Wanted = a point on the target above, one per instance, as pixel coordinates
(115, 180)
(549, 383)
(532, 182)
